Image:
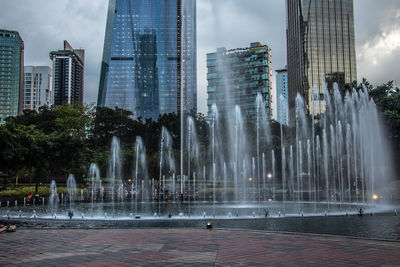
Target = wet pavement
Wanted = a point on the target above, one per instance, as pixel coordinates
(189, 247)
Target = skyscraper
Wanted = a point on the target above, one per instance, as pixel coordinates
(321, 31)
(282, 96)
(149, 55)
(11, 74)
(68, 75)
(236, 76)
(37, 87)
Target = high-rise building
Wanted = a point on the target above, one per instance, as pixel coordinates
(236, 76)
(149, 57)
(282, 96)
(11, 74)
(297, 80)
(320, 47)
(68, 75)
(37, 87)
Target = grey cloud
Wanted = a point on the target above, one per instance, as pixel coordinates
(44, 24)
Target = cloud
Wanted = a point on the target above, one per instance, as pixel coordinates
(44, 24)
(378, 40)
(234, 24)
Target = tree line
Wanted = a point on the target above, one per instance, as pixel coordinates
(37, 147)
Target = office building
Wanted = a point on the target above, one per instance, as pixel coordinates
(320, 48)
(68, 75)
(149, 57)
(37, 87)
(282, 96)
(11, 74)
(236, 76)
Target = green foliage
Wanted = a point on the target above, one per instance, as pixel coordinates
(21, 192)
(49, 144)
(387, 99)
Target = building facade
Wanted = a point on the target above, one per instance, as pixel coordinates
(321, 31)
(297, 80)
(68, 75)
(11, 74)
(236, 76)
(37, 87)
(149, 55)
(282, 96)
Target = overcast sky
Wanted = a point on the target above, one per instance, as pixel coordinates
(44, 24)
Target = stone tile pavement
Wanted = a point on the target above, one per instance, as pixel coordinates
(189, 247)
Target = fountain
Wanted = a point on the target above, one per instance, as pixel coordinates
(332, 166)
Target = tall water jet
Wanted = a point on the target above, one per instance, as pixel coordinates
(194, 186)
(291, 172)
(94, 175)
(333, 157)
(262, 130)
(309, 163)
(166, 154)
(244, 180)
(140, 168)
(299, 175)
(263, 175)
(325, 159)
(114, 169)
(348, 142)
(317, 174)
(225, 183)
(204, 183)
(273, 174)
(53, 201)
(283, 155)
(214, 184)
(192, 146)
(71, 188)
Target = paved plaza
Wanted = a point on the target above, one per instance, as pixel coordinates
(189, 247)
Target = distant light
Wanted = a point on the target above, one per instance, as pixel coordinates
(209, 225)
(250, 179)
(129, 180)
(375, 196)
(269, 175)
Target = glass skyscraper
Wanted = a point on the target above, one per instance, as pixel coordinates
(149, 55)
(236, 76)
(11, 74)
(282, 96)
(321, 31)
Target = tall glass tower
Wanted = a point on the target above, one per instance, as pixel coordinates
(11, 74)
(236, 76)
(149, 55)
(282, 96)
(321, 34)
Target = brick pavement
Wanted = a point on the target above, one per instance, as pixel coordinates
(189, 247)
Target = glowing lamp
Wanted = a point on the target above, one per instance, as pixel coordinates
(375, 196)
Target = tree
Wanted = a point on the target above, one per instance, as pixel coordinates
(387, 99)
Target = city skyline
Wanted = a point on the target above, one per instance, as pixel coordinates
(376, 31)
